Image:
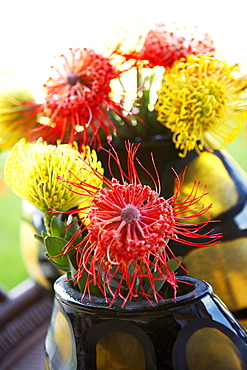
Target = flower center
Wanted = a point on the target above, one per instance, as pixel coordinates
(72, 79)
(130, 213)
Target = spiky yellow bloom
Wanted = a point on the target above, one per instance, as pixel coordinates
(31, 171)
(18, 112)
(200, 101)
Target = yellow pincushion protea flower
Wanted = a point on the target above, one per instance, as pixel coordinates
(201, 101)
(32, 169)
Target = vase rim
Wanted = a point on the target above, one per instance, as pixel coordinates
(66, 293)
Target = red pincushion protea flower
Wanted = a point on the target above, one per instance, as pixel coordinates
(126, 253)
(161, 47)
(78, 99)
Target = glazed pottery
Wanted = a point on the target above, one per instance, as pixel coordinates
(195, 332)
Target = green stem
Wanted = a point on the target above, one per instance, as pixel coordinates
(47, 221)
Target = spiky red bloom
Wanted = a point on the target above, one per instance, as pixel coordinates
(126, 248)
(78, 99)
(161, 47)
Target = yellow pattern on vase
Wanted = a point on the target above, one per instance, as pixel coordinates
(63, 338)
(224, 266)
(210, 170)
(119, 350)
(208, 348)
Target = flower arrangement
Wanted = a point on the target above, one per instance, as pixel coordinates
(77, 101)
(111, 236)
(180, 87)
(118, 247)
(187, 89)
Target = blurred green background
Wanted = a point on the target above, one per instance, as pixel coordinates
(12, 269)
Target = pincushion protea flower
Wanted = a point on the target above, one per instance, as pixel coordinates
(201, 101)
(161, 47)
(31, 171)
(79, 98)
(125, 253)
(18, 114)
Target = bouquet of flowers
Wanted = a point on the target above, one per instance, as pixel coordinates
(111, 235)
(115, 244)
(178, 86)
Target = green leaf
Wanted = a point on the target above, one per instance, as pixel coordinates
(57, 227)
(39, 238)
(54, 247)
(43, 233)
(72, 230)
(174, 264)
(94, 290)
(59, 267)
(114, 282)
(71, 273)
(157, 283)
(82, 281)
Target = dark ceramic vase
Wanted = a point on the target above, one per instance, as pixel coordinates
(196, 332)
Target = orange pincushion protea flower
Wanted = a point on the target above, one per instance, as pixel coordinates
(161, 47)
(129, 225)
(78, 99)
